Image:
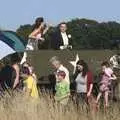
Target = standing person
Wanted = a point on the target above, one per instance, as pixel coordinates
(62, 89)
(36, 36)
(59, 67)
(115, 64)
(61, 39)
(30, 81)
(84, 82)
(105, 83)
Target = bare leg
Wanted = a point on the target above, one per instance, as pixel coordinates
(98, 97)
(106, 99)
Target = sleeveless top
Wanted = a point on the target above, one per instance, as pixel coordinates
(81, 83)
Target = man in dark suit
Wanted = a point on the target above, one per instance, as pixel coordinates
(61, 39)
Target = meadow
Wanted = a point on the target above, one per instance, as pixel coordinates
(18, 107)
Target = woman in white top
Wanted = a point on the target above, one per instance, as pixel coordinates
(84, 82)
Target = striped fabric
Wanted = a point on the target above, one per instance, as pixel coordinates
(5, 50)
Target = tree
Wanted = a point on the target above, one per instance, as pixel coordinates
(24, 31)
(86, 34)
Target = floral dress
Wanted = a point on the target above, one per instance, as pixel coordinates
(106, 80)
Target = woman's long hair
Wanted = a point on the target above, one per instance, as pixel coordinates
(85, 67)
(38, 22)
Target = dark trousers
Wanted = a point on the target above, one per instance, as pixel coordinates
(81, 100)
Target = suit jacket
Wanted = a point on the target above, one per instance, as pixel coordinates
(57, 40)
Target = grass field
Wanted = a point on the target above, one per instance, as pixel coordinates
(21, 108)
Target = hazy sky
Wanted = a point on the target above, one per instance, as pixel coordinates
(14, 13)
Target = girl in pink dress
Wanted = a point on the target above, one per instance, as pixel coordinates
(107, 77)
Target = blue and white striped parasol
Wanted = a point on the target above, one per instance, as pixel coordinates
(9, 44)
(5, 50)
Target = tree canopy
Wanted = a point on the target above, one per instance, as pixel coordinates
(86, 34)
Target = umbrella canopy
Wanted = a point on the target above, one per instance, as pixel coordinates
(13, 41)
(5, 50)
(14, 35)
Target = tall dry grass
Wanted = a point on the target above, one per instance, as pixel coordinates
(20, 108)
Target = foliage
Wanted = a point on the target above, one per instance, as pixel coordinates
(19, 107)
(87, 34)
(24, 31)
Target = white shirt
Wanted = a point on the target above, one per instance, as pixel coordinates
(62, 68)
(65, 38)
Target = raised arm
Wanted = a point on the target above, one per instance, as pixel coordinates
(33, 34)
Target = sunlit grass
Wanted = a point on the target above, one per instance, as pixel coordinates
(19, 107)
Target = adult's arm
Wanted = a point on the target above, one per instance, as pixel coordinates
(17, 70)
(89, 83)
(33, 34)
(90, 90)
(46, 29)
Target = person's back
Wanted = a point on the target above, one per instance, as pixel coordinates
(7, 77)
(32, 86)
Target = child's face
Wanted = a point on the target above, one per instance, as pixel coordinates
(60, 78)
(25, 65)
(103, 68)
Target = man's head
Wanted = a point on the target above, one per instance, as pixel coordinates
(55, 62)
(63, 27)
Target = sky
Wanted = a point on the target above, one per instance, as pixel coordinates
(14, 13)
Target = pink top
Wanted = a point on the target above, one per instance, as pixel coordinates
(106, 79)
(108, 72)
(107, 75)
